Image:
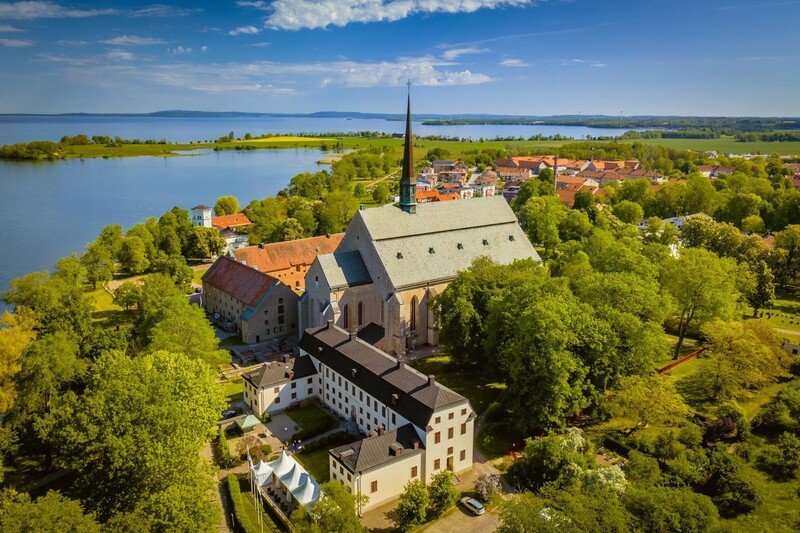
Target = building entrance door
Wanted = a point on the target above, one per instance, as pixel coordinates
(450, 463)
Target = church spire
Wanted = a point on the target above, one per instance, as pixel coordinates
(408, 185)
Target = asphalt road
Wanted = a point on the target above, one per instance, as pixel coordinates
(462, 521)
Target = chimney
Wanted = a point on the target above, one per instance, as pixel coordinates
(401, 365)
(353, 335)
(416, 445)
(261, 246)
(330, 324)
(431, 380)
(354, 372)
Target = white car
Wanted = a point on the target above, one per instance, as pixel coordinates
(473, 505)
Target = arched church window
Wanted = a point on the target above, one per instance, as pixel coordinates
(345, 317)
(413, 325)
(360, 313)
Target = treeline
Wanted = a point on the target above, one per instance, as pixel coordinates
(51, 151)
(769, 136)
(670, 134)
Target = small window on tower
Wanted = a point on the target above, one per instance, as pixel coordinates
(460, 246)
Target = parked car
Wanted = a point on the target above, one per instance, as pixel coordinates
(473, 505)
(229, 413)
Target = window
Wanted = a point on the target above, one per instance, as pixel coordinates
(437, 437)
(437, 419)
(310, 391)
(266, 322)
(449, 433)
(413, 323)
(345, 317)
(341, 469)
(280, 310)
(278, 399)
(294, 384)
(310, 381)
(394, 421)
(464, 428)
(276, 390)
(450, 416)
(349, 478)
(464, 412)
(437, 464)
(413, 471)
(373, 487)
(294, 396)
(450, 450)
(361, 396)
(463, 455)
(360, 313)
(280, 301)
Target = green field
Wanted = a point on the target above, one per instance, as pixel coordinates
(284, 139)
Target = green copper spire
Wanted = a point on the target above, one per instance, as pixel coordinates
(408, 181)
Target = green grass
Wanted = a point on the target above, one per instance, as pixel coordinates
(106, 313)
(198, 273)
(249, 503)
(233, 390)
(311, 416)
(233, 340)
(498, 435)
(318, 463)
(468, 383)
(784, 314)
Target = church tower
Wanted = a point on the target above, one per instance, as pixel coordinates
(408, 180)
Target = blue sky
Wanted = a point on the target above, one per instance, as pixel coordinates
(534, 57)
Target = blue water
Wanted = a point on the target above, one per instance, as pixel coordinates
(16, 129)
(53, 209)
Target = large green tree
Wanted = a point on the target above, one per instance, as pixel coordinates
(649, 400)
(226, 205)
(335, 512)
(412, 506)
(184, 328)
(52, 513)
(134, 435)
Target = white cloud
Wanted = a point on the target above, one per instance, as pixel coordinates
(71, 43)
(599, 65)
(37, 9)
(162, 10)
(262, 44)
(204, 49)
(120, 55)
(133, 40)
(16, 43)
(256, 4)
(312, 14)
(179, 50)
(514, 63)
(245, 30)
(458, 52)
(8, 28)
(266, 77)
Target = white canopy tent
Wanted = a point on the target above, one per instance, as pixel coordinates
(288, 476)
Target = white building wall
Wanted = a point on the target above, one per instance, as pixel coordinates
(278, 397)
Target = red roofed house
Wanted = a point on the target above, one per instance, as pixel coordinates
(237, 220)
(258, 305)
(712, 171)
(288, 261)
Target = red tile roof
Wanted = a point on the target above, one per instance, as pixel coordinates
(241, 282)
(282, 255)
(230, 221)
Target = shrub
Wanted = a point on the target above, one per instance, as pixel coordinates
(691, 436)
(731, 424)
(732, 494)
(487, 486)
(412, 506)
(664, 509)
(243, 523)
(266, 450)
(666, 446)
(224, 450)
(782, 461)
(642, 469)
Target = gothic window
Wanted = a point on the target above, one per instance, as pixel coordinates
(413, 325)
(345, 317)
(360, 313)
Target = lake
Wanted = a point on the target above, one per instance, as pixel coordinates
(17, 129)
(52, 209)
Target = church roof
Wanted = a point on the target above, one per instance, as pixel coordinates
(409, 393)
(444, 238)
(344, 269)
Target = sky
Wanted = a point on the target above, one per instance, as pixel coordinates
(518, 57)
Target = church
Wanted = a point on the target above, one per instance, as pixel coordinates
(393, 259)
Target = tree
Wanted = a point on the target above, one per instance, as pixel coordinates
(584, 200)
(17, 330)
(336, 210)
(135, 434)
(787, 242)
(753, 224)
(291, 230)
(442, 492)
(487, 486)
(50, 513)
(335, 512)
(761, 291)
(744, 356)
(783, 460)
(531, 189)
(412, 505)
(649, 400)
(541, 216)
(666, 509)
(628, 212)
(656, 231)
(128, 294)
(702, 287)
(732, 494)
(133, 255)
(99, 264)
(184, 328)
(226, 205)
(380, 194)
(642, 469)
(547, 460)
(110, 239)
(176, 268)
(204, 243)
(575, 226)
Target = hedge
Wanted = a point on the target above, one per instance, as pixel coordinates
(224, 449)
(243, 523)
(338, 438)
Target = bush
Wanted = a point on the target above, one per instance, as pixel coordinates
(243, 523)
(730, 425)
(266, 450)
(642, 469)
(782, 461)
(691, 436)
(487, 486)
(224, 450)
(732, 494)
(663, 509)
(666, 446)
(412, 506)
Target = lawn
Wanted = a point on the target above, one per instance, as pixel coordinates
(318, 463)
(779, 512)
(198, 272)
(233, 340)
(312, 420)
(233, 390)
(106, 312)
(248, 500)
(784, 314)
(468, 383)
(285, 139)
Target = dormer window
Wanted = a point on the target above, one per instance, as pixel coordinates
(485, 242)
(510, 237)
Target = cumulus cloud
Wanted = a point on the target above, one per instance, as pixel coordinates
(133, 40)
(37, 9)
(16, 43)
(245, 30)
(204, 48)
(312, 14)
(455, 53)
(514, 63)
(181, 50)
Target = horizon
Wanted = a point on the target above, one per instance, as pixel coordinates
(536, 58)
